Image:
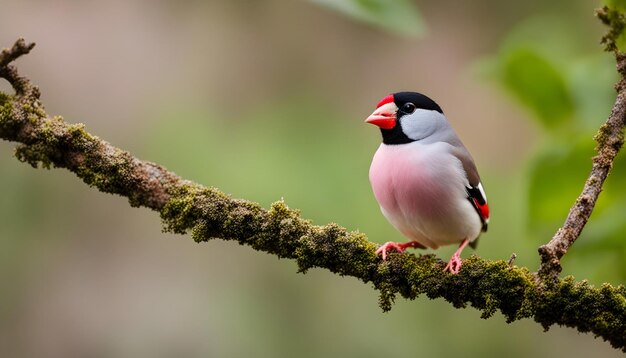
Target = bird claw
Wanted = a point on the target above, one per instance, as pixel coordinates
(454, 265)
(398, 246)
(388, 246)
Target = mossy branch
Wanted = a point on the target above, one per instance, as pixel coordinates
(207, 213)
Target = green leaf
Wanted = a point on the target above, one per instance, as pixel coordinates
(538, 84)
(550, 73)
(399, 16)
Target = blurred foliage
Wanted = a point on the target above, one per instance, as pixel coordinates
(399, 16)
(278, 150)
(616, 4)
(569, 91)
(538, 84)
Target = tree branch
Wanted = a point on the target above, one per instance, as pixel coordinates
(20, 48)
(207, 213)
(610, 138)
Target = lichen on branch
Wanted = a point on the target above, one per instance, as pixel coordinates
(207, 213)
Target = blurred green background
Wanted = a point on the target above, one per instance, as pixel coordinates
(266, 100)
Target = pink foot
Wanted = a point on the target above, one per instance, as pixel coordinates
(398, 246)
(454, 265)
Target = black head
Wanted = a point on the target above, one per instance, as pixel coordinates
(418, 99)
(406, 103)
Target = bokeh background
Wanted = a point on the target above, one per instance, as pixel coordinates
(266, 100)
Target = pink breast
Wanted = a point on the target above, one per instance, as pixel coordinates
(405, 183)
(413, 189)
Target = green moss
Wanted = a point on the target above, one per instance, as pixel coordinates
(606, 136)
(79, 138)
(183, 211)
(287, 230)
(588, 309)
(55, 144)
(614, 39)
(6, 112)
(4, 98)
(35, 155)
(33, 110)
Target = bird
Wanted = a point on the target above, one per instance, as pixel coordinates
(424, 179)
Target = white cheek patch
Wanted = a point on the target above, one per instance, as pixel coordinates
(421, 123)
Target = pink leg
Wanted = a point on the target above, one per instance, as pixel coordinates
(398, 246)
(454, 265)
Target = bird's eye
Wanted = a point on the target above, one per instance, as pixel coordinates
(408, 108)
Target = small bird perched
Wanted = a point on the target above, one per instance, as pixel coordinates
(424, 178)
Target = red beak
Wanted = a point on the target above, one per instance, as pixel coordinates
(384, 116)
